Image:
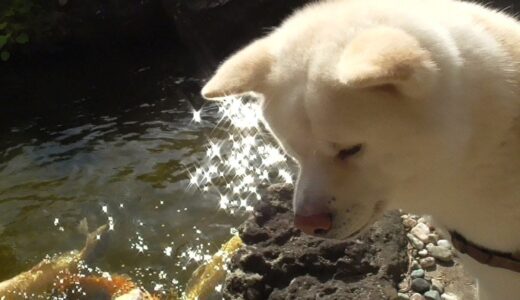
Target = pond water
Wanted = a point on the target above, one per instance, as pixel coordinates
(120, 142)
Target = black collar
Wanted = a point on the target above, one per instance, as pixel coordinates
(485, 256)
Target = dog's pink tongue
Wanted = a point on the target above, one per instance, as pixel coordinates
(313, 224)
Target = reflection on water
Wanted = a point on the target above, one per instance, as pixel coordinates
(112, 170)
(108, 153)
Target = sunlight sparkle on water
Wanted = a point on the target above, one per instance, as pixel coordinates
(248, 157)
(168, 251)
(196, 116)
(241, 158)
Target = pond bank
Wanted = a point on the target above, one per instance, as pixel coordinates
(279, 262)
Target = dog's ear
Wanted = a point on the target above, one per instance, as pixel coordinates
(245, 71)
(386, 56)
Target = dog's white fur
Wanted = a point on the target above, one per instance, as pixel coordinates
(431, 90)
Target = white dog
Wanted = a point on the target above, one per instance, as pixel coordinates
(411, 104)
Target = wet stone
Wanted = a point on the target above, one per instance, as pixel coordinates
(420, 285)
(423, 253)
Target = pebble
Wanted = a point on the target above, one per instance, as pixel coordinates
(444, 243)
(419, 273)
(449, 296)
(420, 285)
(425, 241)
(427, 262)
(416, 243)
(401, 296)
(438, 286)
(432, 295)
(409, 223)
(440, 253)
(417, 296)
(421, 231)
(403, 286)
(415, 265)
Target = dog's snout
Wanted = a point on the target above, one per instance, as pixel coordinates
(313, 224)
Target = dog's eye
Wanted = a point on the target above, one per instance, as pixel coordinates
(343, 154)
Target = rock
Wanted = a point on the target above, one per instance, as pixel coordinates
(423, 253)
(415, 265)
(403, 286)
(417, 296)
(449, 296)
(427, 262)
(444, 243)
(249, 283)
(440, 253)
(409, 223)
(294, 265)
(416, 243)
(302, 287)
(401, 296)
(421, 231)
(438, 286)
(420, 285)
(432, 295)
(419, 273)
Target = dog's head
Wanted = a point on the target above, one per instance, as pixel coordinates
(354, 108)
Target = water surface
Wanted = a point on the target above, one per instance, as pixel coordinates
(112, 141)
